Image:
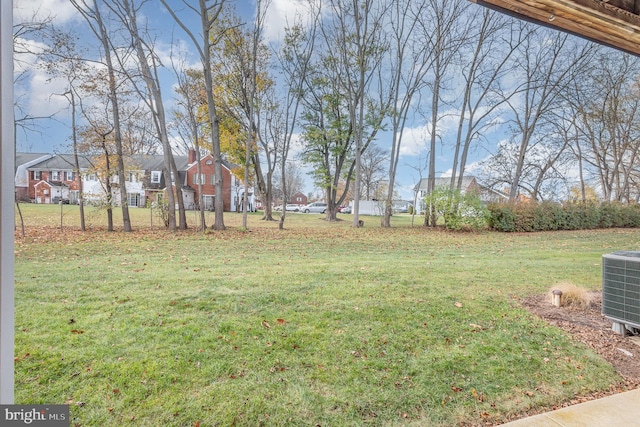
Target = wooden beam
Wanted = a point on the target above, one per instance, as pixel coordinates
(595, 20)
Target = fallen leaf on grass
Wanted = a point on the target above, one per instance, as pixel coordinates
(478, 396)
(281, 321)
(458, 304)
(77, 331)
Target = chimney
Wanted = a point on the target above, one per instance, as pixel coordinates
(192, 155)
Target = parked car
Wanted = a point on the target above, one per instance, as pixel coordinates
(316, 207)
(345, 210)
(293, 208)
(59, 199)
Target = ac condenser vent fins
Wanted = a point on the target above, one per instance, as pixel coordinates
(621, 288)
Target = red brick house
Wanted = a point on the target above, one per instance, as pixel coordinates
(299, 199)
(48, 178)
(232, 187)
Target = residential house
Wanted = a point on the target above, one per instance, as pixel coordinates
(48, 178)
(469, 185)
(232, 186)
(24, 187)
(299, 199)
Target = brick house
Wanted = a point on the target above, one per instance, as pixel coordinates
(45, 178)
(206, 181)
(41, 178)
(299, 199)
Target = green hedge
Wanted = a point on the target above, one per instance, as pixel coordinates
(549, 216)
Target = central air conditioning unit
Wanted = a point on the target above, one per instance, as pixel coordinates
(621, 290)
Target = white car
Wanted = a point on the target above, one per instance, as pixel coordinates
(315, 208)
(292, 208)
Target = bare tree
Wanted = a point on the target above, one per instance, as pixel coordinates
(241, 69)
(208, 16)
(606, 106)
(93, 16)
(148, 63)
(409, 62)
(494, 39)
(357, 38)
(295, 62)
(189, 120)
(548, 63)
(445, 33)
(372, 172)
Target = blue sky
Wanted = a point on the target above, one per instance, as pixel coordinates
(38, 96)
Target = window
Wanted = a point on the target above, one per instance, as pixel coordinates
(133, 199)
(199, 178)
(70, 176)
(131, 177)
(212, 179)
(91, 177)
(37, 174)
(209, 201)
(55, 176)
(155, 177)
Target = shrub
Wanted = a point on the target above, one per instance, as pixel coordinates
(458, 210)
(502, 217)
(549, 216)
(572, 295)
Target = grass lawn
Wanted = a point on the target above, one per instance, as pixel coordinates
(319, 324)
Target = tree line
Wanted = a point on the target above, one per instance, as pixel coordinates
(553, 116)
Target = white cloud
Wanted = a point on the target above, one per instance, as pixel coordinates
(61, 11)
(414, 140)
(25, 54)
(283, 14)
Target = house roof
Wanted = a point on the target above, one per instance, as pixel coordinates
(226, 164)
(444, 182)
(151, 162)
(26, 158)
(58, 162)
(51, 184)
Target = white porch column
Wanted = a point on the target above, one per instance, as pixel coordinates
(7, 196)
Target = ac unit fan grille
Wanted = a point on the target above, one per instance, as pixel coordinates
(621, 287)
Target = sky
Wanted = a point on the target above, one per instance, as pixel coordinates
(39, 94)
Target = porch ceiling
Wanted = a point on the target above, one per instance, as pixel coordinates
(615, 23)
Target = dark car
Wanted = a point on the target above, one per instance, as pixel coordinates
(59, 199)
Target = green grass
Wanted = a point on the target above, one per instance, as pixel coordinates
(371, 326)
